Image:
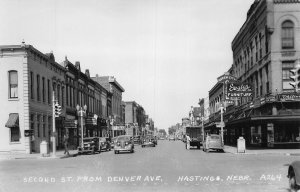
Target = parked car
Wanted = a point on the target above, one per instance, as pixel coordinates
(154, 140)
(213, 142)
(90, 145)
(124, 143)
(148, 141)
(137, 139)
(294, 176)
(104, 143)
(172, 137)
(113, 141)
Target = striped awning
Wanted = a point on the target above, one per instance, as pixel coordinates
(13, 120)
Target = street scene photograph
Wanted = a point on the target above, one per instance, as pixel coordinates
(150, 95)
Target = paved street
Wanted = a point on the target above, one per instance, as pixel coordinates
(166, 167)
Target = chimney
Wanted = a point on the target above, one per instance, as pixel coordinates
(87, 73)
(77, 65)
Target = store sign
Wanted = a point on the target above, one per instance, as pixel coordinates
(28, 133)
(118, 128)
(289, 97)
(226, 78)
(239, 90)
(270, 99)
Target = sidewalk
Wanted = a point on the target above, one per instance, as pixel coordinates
(288, 152)
(18, 155)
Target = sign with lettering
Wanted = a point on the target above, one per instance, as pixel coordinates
(226, 78)
(289, 97)
(28, 133)
(239, 90)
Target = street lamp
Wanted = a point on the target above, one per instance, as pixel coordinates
(81, 112)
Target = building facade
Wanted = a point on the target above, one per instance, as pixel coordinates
(30, 78)
(264, 50)
(115, 90)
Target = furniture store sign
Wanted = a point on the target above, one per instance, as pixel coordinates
(239, 90)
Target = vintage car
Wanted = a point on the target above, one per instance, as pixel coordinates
(104, 144)
(124, 143)
(148, 141)
(90, 145)
(137, 139)
(113, 141)
(294, 176)
(172, 137)
(213, 142)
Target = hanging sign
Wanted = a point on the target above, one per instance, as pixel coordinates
(226, 78)
(239, 90)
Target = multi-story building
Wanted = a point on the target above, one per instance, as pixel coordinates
(29, 81)
(264, 51)
(135, 119)
(32, 82)
(82, 91)
(115, 90)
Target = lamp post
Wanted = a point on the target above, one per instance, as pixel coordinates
(81, 112)
(202, 124)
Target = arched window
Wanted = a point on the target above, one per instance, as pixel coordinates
(13, 84)
(287, 35)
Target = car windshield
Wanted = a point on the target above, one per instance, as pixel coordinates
(214, 137)
(88, 139)
(123, 138)
(102, 139)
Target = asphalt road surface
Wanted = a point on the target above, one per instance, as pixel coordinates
(166, 167)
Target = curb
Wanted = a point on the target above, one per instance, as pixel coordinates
(285, 154)
(38, 157)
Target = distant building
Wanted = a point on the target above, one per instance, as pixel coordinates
(115, 115)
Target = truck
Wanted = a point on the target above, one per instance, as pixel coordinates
(196, 135)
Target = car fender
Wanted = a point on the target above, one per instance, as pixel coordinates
(295, 166)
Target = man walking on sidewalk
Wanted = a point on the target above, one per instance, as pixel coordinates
(66, 144)
(188, 140)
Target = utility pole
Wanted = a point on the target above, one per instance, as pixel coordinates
(222, 122)
(53, 123)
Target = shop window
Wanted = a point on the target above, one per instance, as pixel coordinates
(14, 134)
(256, 135)
(13, 84)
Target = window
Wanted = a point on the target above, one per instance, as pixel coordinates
(286, 67)
(38, 125)
(44, 126)
(62, 96)
(14, 134)
(31, 85)
(38, 87)
(49, 91)
(287, 35)
(13, 84)
(43, 89)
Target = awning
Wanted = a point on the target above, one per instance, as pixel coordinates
(13, 120)
(277, 118)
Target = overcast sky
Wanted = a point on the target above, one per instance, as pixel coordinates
(166, 54)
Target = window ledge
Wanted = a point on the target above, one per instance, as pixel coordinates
(14, 143)
(13, 99)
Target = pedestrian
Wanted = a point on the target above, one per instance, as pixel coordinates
(66, 144)
(188, 139)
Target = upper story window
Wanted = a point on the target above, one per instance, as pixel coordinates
(13, 84)
(287, 35)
